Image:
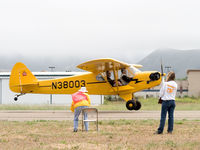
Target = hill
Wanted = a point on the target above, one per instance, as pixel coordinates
(179, 61)
(41, 63)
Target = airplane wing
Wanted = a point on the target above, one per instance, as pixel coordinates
(102, 65)
(136, 65)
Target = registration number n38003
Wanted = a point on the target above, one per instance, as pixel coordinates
(68, 84)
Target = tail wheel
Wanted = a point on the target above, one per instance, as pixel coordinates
(15, 98)
(133, 105)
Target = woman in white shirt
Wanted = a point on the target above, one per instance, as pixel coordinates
(167, 94)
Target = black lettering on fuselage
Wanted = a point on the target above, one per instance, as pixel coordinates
(71, 84)
(68, 84)
(82, 83)
(77, 84)
(54, 85)
(60, 85)
(65, 84)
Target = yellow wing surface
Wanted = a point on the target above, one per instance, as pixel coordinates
(104, 64)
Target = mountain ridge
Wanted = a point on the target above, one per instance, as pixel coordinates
(179, 60)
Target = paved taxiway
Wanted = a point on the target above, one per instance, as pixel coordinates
(29, 115)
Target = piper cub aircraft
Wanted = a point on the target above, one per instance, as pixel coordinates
(105, 77)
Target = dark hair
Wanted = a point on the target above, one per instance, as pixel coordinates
(122, 70)
(171, 76)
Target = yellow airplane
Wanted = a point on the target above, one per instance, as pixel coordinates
(105, 77)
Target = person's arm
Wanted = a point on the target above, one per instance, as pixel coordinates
(163, 81)
(110, 81)
(162, 90)
(72, 106)
(126, 78)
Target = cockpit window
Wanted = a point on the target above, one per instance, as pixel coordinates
(132, 71)
(99, 77)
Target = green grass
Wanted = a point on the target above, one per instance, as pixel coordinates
(181, 104)
(185, 103)
(152, 104)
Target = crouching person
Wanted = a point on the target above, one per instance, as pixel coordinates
(80, 100)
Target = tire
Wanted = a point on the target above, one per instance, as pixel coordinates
(130, 105)
(133, 105)
(137, 105)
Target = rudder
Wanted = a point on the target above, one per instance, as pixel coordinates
(21, 76)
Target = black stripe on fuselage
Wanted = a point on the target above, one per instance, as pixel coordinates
(45, 86)
(96, 82)
(136, 81)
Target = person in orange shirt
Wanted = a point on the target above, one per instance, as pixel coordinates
(80, 100)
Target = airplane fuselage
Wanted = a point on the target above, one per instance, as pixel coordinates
(70, 85)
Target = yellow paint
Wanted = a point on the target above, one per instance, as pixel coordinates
(23, 81)
(130, 105)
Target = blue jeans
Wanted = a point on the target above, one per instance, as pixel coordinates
(167, 106)
(76, 115)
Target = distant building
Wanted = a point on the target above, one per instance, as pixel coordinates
(7, 96)
(194, 83)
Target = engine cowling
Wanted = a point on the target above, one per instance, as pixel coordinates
(154, 76)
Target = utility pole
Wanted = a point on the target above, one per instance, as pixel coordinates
(168, 68)
(52, 67)
(51, 99)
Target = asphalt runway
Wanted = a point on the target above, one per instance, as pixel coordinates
(60, 115)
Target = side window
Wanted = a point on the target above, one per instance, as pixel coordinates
(132, 71)
(99, 77)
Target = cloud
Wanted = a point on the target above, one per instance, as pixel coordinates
(120, 29)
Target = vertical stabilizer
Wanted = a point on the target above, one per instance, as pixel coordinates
(20, 77)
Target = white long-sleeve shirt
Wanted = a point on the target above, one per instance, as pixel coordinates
(168, 90)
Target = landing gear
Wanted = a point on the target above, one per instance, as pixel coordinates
(15, 98)
(133, 105)
(18, 95)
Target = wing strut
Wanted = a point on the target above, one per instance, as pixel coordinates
(105, 78)
(116, 77)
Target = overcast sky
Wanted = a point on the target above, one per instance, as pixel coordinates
(98, 28)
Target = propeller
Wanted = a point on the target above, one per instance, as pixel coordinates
(161, 67)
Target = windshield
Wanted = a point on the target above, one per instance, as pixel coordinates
(99, 77)
(132, 70)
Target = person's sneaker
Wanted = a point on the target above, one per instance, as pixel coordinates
(169, 132)
(75, 130)
(158, 132)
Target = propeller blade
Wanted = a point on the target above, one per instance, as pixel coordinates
(161, 66)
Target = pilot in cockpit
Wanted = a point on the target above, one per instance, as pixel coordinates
(124, 77)
(112, 82)
(108, 74)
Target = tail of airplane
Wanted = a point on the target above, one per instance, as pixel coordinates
(20, 78)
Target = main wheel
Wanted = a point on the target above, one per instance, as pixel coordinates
(133, 105)
(137, 105)
(130, 105)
